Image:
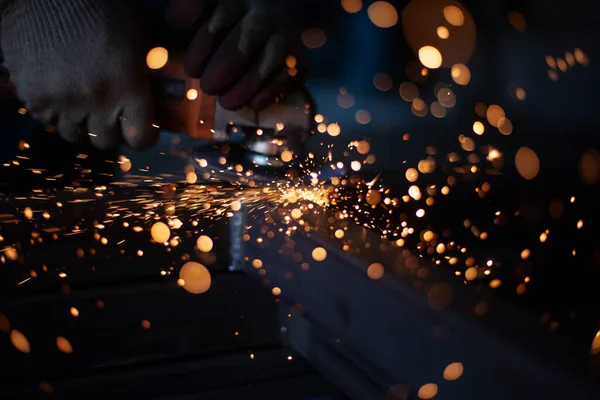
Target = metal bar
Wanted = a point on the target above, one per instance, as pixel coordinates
(413, 322)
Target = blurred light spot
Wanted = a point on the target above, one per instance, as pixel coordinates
(383, 14)
(409, 91)
(428, 391)
(296, 213)
(525, 254)
(257, 263)
(196, 278)
(20, 341)
(339, 234)
(352, 6)
(345, 100)
(430, 57)
(236, 205)
(418, 104)
(204, 243)
(64, 345)
(28, 213)
(124, 164)
(286, 156)
(527, 163)
(550, 61)
(495, 283)
(552, 75)
(420, 213)
(443, 32)
(191, 178)
(363, 147)
(561, 64)
(373, 197)
(460, 74)
(192, 94)
(581, 57)
(454, 15)
(521, 94)
(146, 324)
(276, 291)
(319, 254)
(478, 128)
(453, 371)
(157, 58)
(471, 273)
(383, 81)
(437, 110)
(333, 129)
(505, 126)
(494, 113)
(363, 117)
(412, 175)
(517, 21)
(10, 253)
(596, 344)
(160, 232)
(580, 224)
(375, 271)
(313, 38)
(74, 312)
(446, 97)
(589, 166)
(355, 165)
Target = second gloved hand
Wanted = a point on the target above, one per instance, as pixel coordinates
(242, 50)
(79, 64)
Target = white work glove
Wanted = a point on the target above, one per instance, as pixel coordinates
(79, 64)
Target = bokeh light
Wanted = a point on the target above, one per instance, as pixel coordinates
(430, 57)
(382, 14)
(195, 277)
(527, 163)
(204, 243)
(460, 74)
(160, 232)
(375, 271)
(352, 6)
(454, 15)
(157, 58)
(313, 38)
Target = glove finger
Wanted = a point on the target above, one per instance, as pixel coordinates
(202, 47)
(70, 126)
(103, 128)
(137, 121)
(45, 116)
(272, 57)
(236, 53)
(185, 14)
(287, 80)
(210, 35)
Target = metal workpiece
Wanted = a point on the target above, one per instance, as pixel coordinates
(375, 317)
(237, 226)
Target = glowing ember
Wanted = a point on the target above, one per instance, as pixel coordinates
(19, 341)
(319, 254)
(375, 271)
(204, 243)
(160, 232)
(195, 277)
(64, 345)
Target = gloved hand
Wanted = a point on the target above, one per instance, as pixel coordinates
(79, 64)
(241, 50)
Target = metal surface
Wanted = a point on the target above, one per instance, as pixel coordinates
(400, 332)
